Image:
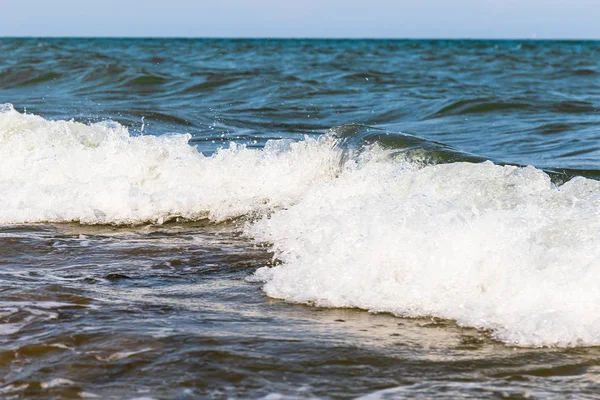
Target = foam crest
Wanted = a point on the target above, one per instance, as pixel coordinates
(500, 248)
(60, 171)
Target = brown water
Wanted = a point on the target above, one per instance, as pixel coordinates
(166, 312)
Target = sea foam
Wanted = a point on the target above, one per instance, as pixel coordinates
(495, 247)
(61, 171)
(499, 248)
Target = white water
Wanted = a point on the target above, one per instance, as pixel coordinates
(494, 247)
(59, 171)
(499, 248)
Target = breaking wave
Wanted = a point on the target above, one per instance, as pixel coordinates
(501, 248)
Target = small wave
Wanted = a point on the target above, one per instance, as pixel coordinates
(106, 73)
(16, 77)
(216, 80)
(470, 106)
(484, 105)
(584, 72)
(209, 85)
(572, 107)
(355, 221)
(579, 152)
(355, 138)
(556, 127)
(146, 80)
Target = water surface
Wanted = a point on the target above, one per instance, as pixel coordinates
(143, 254)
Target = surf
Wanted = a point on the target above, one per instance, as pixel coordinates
(355, 218)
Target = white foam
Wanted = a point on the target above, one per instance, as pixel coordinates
(59, 171)
(495, 247)
(56, 382)
(121, 355)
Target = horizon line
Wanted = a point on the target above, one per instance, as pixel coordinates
(176, 37)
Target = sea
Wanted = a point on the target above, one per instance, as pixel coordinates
(299, 219)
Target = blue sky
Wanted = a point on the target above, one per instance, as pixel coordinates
(569, 19)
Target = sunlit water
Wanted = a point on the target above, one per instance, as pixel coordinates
(299, 219)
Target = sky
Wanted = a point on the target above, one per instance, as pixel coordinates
(542, 19)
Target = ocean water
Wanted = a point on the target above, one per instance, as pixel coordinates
(372, 219)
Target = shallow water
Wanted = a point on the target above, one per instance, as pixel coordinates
(132, 249)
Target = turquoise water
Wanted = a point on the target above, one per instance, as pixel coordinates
(299, 218)
(532, 102)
